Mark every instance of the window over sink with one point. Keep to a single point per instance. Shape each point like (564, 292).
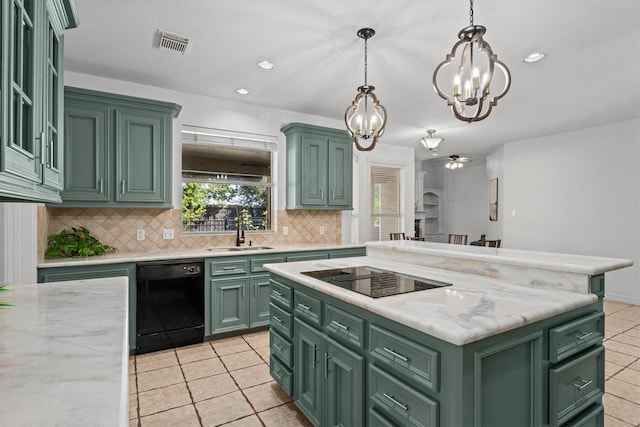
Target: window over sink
(226, 175)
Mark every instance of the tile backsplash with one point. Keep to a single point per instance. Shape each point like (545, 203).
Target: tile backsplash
(118, 227)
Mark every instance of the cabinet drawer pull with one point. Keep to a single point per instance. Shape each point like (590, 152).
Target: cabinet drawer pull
(305, 307)
(399, 356)
(277, 293)
(228, 268)
(583, 385)
(583, 335)
(340, 325)
(278, 347)
(277, 319)
(393, 399)
(277, 374)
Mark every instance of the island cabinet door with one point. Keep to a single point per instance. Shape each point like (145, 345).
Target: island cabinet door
(307, 373)
(344, 385)
(508, 382)
(259, 305)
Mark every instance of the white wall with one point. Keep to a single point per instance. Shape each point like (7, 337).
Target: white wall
(466, 201)
(578, 192)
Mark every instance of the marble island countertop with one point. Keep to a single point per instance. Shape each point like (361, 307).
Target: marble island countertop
(473, 308)
(213, 251)
(64, 354)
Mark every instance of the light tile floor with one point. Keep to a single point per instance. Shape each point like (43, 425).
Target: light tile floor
(227, 383)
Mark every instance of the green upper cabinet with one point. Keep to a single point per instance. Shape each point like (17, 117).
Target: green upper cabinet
(31, 125)
(117, 150)
(319, 167)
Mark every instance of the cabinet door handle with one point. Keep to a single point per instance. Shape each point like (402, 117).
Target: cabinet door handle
(326, 365)
(333, 194)
(322, 193)
(395, 401)
(304, 307)
(255, 290)
(399, 356)
(42, 145)
(340, 325)
(100, 186)
(242, 290)
(583, 335)
(51, 152)
(583, 384)
(123, 184)
(315, 356)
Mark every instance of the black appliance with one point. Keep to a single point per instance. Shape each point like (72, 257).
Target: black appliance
(170, 304)
(374, 282)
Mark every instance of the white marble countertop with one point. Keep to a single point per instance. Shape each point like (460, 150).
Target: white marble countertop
(473, 308)
(165, 254)
(566, 263)
(64, 354)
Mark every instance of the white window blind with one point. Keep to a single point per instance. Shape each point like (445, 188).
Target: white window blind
(386, 212)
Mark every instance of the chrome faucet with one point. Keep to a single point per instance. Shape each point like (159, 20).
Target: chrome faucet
(239, 236)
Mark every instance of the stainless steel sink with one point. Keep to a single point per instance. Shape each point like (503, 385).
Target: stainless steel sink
(238, 248)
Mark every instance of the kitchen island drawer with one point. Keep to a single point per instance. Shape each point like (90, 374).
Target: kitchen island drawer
(282, 375)
(399, 402)
(414, 362)
(308, 308)
(282, 348)
(575, 384)
(281, 294)
(220, 268)
(575, 336)
(344, 326)
(281, 321)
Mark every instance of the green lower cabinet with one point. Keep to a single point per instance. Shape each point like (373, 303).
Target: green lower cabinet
(259, 312)
(328, 379)
(229, 303)
(59, 274)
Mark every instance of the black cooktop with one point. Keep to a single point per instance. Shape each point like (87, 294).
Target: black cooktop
(374, 282)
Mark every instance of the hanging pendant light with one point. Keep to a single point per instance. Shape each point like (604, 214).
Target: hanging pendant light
(468, 87)
(365, 118)
(431, 143)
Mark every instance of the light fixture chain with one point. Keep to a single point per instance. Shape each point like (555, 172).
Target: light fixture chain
(365, 62)
(471, 13)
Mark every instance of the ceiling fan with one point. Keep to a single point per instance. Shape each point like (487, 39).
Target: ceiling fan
(456, 162)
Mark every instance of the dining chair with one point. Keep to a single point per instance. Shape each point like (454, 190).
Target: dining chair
(492, 243)
(458, 239)
(397, 236)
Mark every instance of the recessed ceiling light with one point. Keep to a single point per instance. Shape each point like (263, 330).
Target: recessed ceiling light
(534, 57)
(242, 91)
(266, 65)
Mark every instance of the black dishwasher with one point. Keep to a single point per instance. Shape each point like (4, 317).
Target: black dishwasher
(170, 304)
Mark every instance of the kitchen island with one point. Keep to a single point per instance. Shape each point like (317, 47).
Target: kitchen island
(515, 340)
(64, 354)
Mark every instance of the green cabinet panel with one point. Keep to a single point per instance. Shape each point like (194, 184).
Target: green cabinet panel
(307, 376)
(119, 150)
(31, 126)
(319, 167)
(343, 394)
(59, 274)
(229, 303)
(141, 163)
(86, 148)
(306, 256)
(259, 303)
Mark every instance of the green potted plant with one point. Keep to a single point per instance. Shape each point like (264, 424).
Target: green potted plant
(77, 242)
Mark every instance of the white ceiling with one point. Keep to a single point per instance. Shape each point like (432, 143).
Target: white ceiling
(591, 74)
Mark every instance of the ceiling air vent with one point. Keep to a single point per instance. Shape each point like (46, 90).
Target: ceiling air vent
(172, 43)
